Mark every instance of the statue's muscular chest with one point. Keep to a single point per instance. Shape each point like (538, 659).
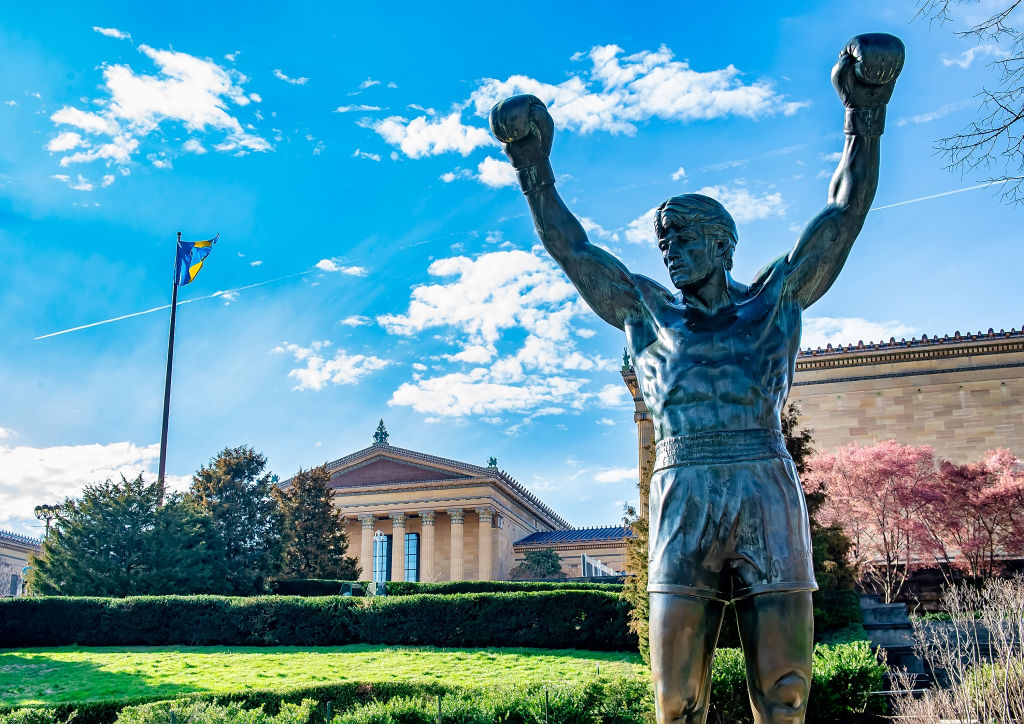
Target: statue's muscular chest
(734, 357)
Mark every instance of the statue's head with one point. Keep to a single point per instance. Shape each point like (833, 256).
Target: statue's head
(702, 214)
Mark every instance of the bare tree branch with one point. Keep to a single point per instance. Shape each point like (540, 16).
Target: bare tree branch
(995, 141)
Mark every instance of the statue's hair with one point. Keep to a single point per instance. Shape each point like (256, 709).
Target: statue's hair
(698, 209)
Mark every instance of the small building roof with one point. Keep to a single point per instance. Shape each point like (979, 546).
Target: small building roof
(576, 535)
(7, 536)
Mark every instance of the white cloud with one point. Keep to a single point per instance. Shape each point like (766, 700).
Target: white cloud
(194, 146)
(366, 154)
(615, 396)
(607, 421)
(112, 33)
(966, 58)
(820, 331)
(11, 102)
(159, 160)
(232, 57)
(641, 229)
(107, 180)
(258, 262)
(584, 332)
(294, 81)
(939, 112)
(79, 184)
(64, 142)
(186, 90)
(356, 320)
(745, 206)
(831, 157)
(511, 314)
(332, 265)
(496, 173)
(34, 476)
(616, 475)
(419, 366)
(617, 92)
(368, 83)
(429, 136)
(319, 371)
(594, 229)
(356, 107)
(679, 174)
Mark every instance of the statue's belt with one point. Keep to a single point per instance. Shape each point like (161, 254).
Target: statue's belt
(726, 446)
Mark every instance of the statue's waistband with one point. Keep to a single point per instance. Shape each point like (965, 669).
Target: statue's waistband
(725, 446)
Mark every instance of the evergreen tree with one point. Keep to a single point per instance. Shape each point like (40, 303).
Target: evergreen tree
(118, 541)
(234, 489)
(543, 563)
(635, 588)
(315, 542)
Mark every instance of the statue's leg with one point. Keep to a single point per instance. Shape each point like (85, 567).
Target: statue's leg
(684, 631)
(777, 630)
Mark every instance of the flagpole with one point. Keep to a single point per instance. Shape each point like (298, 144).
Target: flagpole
(167, 378)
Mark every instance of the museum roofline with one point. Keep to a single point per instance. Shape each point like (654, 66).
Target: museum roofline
(923, 341)
(477, 471)
(25, 540)
(576, 535)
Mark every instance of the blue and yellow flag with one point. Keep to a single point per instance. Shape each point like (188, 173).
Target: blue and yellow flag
(190, 258)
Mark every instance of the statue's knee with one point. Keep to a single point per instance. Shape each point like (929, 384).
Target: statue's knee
(789, 692)
(674, 705)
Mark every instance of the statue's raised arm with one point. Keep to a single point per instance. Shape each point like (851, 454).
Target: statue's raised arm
(864, 77)
(525, 128)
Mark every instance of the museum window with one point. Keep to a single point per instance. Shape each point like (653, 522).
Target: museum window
(381, 558)
(412, 556)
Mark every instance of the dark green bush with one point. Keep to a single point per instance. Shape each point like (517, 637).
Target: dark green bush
(412, 588)
(842, 678)
(547, 619)
(314, 587)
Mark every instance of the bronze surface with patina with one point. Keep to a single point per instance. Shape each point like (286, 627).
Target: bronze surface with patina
(715, 362)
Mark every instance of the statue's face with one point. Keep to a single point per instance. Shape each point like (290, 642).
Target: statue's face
(689, 253)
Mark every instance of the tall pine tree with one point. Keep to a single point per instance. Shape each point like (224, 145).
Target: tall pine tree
(116, 540)
(238, 495)
(315, 542)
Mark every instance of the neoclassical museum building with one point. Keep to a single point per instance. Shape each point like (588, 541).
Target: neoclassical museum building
(418, 517)
(415, 516)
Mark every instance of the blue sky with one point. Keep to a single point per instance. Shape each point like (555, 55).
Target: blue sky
(375, 258)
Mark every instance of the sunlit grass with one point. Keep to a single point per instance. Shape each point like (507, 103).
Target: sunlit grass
(77, 674)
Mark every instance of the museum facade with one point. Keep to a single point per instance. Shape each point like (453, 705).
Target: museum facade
(411, 516)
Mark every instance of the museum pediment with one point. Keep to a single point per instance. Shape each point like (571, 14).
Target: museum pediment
(383, 469)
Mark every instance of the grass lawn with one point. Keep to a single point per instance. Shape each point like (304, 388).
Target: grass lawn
(77, 674)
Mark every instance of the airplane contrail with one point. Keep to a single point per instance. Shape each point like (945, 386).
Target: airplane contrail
(168, 306)
(944, 193)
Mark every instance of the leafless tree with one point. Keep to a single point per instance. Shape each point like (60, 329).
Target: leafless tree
(994, 142)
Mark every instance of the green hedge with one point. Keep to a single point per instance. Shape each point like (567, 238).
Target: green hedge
(315, 587)
(331, 587)
(546, 619)
(843, 676)
(622, 700)
(409, 588)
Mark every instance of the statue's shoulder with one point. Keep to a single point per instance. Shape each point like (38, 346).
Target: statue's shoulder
(652, 291)
(774, 272)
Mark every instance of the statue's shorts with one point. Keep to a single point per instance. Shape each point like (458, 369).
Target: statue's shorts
(727, 517)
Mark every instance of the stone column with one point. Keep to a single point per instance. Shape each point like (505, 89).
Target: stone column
(484, 544)
(427, 545)
(397, 546)
(366, 547)
(457, 572)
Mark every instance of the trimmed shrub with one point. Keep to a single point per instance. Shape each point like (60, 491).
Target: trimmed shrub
(843, 676)
(321, 587)
(314, 587)
(548, 619)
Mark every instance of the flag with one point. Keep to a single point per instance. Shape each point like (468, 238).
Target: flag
(190, 258)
